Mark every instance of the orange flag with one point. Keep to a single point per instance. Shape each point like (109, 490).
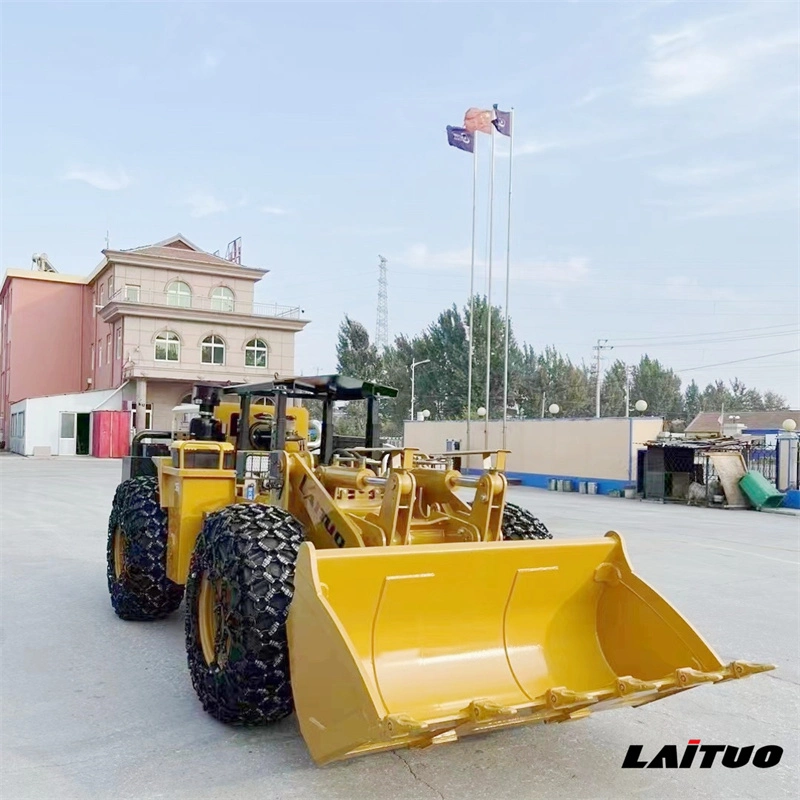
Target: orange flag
(478, 119)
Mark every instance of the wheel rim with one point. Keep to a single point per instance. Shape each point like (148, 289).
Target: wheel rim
(119, 552)
(214, 639)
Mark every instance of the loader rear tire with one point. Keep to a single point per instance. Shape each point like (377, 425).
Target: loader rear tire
(240, 585)
(137, 553)
(519, 523)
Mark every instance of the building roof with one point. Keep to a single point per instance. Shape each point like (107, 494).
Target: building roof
(179, 247)
(708, 421)
(35, 275)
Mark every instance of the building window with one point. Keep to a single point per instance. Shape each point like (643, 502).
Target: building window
(102, 294)
(118, 351)
(221, 299)
(255, 353)
(148, 417)
(168, 347)
(213, 350)
(108, 349)
(179, 294)
(110, 287)
(131, 293)
(67, 425)
(99, 352)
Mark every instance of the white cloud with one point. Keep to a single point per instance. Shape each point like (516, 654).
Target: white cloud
(782, 195)
(701, 174)
(204, 204)
(105, 180)
(567, 271)
(211, 61)
(596, 93)
(546, 144)
(708, 57)
(756, 200)
(274, 210)
(366, 231)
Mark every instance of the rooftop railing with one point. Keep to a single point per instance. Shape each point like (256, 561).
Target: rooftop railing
(221, 305)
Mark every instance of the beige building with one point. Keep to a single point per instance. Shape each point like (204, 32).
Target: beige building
(176, 315)
(147, 322)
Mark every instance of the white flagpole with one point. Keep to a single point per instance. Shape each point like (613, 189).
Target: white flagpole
(472, 290)
(489, 304)
(508, 272)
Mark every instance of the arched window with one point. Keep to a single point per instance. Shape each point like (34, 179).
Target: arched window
(179, 294)
(221, 299)
(213, 350)
(255, 353)
(168, 347)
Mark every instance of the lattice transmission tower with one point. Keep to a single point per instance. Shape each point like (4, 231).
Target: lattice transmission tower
(382, 324)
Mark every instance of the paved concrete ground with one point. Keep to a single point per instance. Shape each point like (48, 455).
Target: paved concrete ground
(96, 708)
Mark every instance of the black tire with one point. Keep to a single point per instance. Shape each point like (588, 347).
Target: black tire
(139, 587)
(245, 556)
(519, 523)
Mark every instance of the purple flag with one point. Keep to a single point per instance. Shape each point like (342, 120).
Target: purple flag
(502, 121)
(461, 138)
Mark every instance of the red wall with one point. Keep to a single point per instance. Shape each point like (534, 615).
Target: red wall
(110, 433)
(45, 332)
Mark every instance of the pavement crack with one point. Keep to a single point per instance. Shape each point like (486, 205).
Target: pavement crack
(417, 777)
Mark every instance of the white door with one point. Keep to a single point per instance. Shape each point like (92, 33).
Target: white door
(66, 437)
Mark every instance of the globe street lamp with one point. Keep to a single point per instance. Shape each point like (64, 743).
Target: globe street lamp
(414, 366)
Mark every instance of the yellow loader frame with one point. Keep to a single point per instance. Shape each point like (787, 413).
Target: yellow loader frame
(412, 621)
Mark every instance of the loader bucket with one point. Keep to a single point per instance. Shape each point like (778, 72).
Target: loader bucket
(414, 645)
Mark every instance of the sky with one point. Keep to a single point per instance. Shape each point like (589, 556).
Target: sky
(656, 165)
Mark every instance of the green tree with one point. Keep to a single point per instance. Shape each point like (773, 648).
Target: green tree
(659, 387)
(356, 357)
(612, 391)
(692, 401)
(774, 402)
(355, 354)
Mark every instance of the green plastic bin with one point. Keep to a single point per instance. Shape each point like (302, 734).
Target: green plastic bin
(760, 492)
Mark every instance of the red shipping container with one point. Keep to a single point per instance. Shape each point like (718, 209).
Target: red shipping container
(110, 434)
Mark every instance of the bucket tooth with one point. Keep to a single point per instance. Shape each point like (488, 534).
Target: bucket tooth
(482, 710)
(399, 725)
(560, 697)
(628, 685)
(741, 669)
(686, 676)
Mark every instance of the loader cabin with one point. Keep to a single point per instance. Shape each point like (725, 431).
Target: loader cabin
(329, 389)
(266, 427)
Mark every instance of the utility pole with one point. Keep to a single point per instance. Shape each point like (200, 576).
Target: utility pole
(627, 390)
(599, 347)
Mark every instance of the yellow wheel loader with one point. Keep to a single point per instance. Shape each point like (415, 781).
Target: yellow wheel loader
(365, 589)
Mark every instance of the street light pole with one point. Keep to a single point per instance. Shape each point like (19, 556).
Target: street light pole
(414, 366)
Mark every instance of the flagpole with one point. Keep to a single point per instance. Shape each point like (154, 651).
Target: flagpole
(489, 304)
(508, 273)
(472, 292)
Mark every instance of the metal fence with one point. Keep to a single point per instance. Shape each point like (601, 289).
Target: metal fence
(763, 460)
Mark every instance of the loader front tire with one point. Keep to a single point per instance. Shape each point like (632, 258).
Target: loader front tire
(137, 553)
(240, 585)
(519, 523)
